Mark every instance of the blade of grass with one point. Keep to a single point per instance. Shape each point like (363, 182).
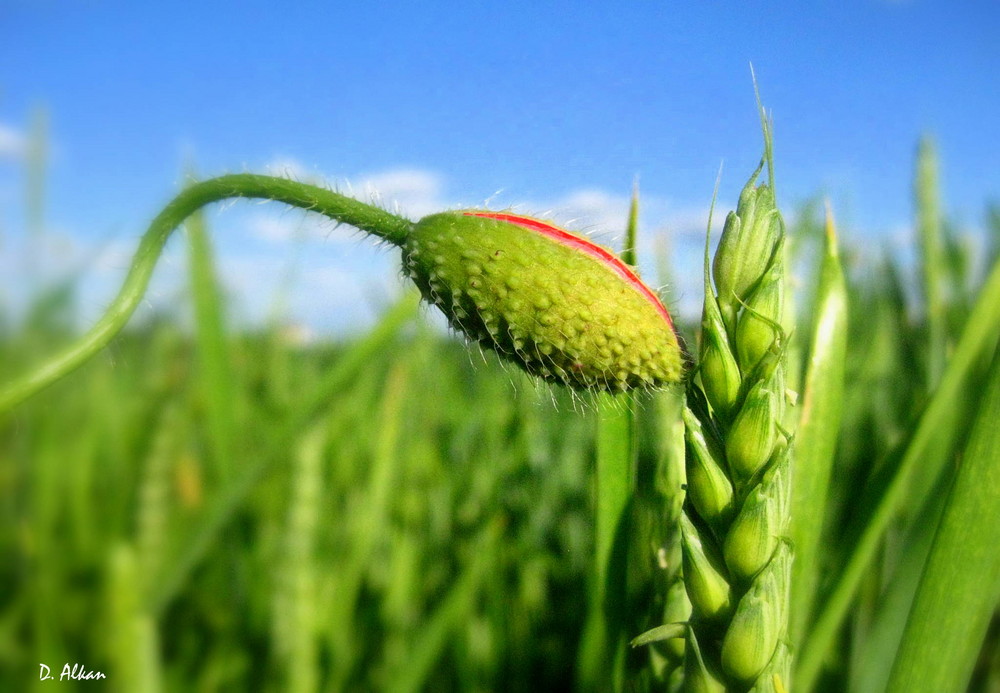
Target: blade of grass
(371, 521)
(993, 231)
(134, 648)
(35, 174)
(602, 649)
(667, 659)
(873, 663)
(629, 253)
(295, 596)
(819, 426)
(215, 373)
(451, 613)
(225, 504)
(960, 587)
(978, 339)
(932, 260)
(37, 163)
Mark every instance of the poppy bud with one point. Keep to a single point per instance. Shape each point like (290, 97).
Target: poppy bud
(556, 304)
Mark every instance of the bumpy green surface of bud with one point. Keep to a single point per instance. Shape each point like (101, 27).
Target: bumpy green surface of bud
(556, 304)
(704, 573)
(759, 325)
(753, 633)
(747, 244)
(752, 437)
(708, 485)
(753, 536)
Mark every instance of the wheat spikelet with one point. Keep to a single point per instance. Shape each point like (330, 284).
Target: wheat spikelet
(737, 560)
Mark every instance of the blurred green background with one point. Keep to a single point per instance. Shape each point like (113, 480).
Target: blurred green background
(209, 508)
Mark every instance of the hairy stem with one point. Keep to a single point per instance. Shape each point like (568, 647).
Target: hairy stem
(365, 217)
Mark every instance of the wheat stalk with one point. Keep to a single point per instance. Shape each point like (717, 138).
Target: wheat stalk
(737, 561)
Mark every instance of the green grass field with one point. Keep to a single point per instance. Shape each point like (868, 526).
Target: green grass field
(212, 509)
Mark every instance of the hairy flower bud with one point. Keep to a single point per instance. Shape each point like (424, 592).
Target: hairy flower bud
(556, 304)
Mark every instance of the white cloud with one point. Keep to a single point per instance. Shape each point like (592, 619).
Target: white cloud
(404, 182)
(411, 192)
(322, 294)
(900, 235)
(275, 225)
(594, 210)
(414, 193)
(12, 143)
(288, 167)
(94, 269)
(602, 213)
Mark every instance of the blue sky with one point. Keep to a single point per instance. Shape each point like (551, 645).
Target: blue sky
(549, 107)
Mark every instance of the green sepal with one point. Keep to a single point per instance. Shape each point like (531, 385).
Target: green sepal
(718, 369)
(668, 631)
(776, 677)
(557, 311)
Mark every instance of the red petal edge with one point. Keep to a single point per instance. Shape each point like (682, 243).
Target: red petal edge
(578, 243)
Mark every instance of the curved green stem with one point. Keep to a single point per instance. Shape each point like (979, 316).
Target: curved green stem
(368, 218)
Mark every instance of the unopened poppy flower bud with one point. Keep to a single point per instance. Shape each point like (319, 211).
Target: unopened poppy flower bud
(558, 305)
